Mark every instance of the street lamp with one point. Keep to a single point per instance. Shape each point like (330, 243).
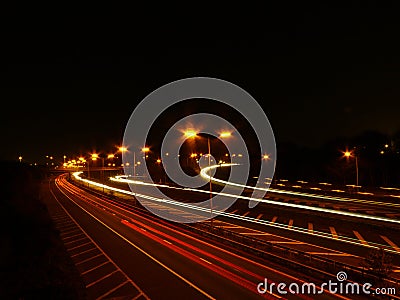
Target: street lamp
(225, 134)
(93, 157)
(190, 133)
(144, 150)
(349, 154)
(122, 149)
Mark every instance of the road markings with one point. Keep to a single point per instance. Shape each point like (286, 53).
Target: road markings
(259, 216)
(274, 219)
(95, 268)
(205, 260)
(231, 226)
(74, 241)
(234, 211)
(116, 288)
(285, 242)
(64, 233)
(255, 233)
(102, 278)
(310, 228)
(360, 237)
(246, 213)
(387, 240)
(63, 227)
(88, 259)
(290, 224)
(81, 245)
(97, 248)
(330, 253)
(131, 243)
(83, 252)
(74, 235)
(333, 232)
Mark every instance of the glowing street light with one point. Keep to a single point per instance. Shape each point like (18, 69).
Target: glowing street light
(225, 134)
(20, 158)
(349, 154)
(122, 149)
(190, 133)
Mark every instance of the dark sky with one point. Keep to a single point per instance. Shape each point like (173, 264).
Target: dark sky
(69, 83)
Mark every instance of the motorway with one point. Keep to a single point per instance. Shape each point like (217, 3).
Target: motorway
(303, 223)
(121, 252)
(313, 225)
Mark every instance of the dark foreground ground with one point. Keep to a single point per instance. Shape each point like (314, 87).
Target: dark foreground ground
(33, 261)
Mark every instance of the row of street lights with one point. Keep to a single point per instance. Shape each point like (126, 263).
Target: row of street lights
(352, 154)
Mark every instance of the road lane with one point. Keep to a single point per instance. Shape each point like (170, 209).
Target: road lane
(150, 276)
(343, 240)
(227, 263)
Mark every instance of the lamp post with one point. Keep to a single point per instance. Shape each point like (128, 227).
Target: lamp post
(159, 169)
(123, 149)
(94, 157)
(349, 154)
(193, 134)
(145, 150)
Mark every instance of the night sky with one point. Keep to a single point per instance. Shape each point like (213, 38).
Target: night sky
(70, 83)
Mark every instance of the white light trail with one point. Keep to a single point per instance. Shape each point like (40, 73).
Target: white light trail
(230, 215)
(204, 174)
(205, 170)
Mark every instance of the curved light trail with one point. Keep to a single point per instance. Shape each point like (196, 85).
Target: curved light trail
(205, 170)
(244, 218)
